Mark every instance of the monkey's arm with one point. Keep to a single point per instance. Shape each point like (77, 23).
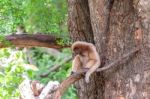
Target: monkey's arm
(76, 64)
(90, 63)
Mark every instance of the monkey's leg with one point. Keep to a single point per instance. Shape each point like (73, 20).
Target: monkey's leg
(89, 65)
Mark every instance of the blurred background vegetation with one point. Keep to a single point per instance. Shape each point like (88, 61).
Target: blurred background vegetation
(36, 16)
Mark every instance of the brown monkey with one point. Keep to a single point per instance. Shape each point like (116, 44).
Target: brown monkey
(86, 57)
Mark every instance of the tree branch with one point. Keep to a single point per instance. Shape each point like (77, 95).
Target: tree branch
(65, 84)
(120, 60)
(73, 78)
(55, 67)
(32, 40)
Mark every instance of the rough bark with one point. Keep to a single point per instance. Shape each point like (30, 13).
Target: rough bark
(73, 78)
(125, 32)
(100, 17)
(80, 29)
(118, 26)
(79, 21)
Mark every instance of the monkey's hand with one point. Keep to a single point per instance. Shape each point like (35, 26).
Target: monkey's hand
(74, 73)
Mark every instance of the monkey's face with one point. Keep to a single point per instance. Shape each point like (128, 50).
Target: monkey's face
(77, 51)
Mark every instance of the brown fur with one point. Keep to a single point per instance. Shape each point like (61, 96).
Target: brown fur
(86, 57)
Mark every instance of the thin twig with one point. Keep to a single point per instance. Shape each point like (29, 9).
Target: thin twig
(119, 60)
(55, 67)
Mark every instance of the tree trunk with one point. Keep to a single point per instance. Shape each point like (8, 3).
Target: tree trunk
(115, 27)
(80, 29)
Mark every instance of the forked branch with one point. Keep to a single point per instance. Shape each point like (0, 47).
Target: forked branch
(72, 79)
(41, 40)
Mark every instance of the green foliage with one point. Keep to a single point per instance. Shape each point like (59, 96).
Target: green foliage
(11, 14)
(37, 16)
(65, 41)
(70, 93)
(44, 16)
(4, 41)
(43, 59)
(50, 14)
(11, 73)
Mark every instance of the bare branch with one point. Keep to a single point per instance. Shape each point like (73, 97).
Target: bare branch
(49, 89)
(56, 67)
(72, 78)
(32, 40)
(51, 51)
(120, 60)
(65, 84)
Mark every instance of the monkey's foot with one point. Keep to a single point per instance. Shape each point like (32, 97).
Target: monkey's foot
(74, 73)
(84, 70)
(87, 78)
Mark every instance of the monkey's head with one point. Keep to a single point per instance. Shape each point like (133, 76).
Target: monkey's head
(79, 47)
(77, 50)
